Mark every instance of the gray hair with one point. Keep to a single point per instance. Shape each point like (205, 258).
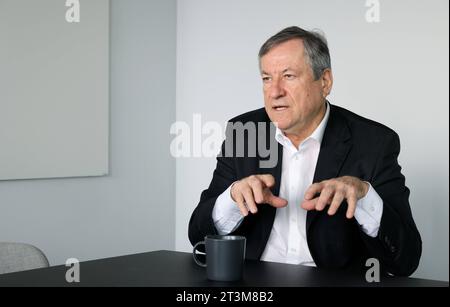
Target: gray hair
(315, 43)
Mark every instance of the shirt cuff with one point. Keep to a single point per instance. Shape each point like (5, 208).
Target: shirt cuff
(369, 210)
(226, 214)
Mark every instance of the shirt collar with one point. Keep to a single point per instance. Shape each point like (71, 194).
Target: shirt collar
(316, 135)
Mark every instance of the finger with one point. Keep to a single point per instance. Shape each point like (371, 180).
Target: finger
(277, 202)
(336, 202)
(268, 180)
(310, 204)
(351, 201)
(258, 191)
(241, 205)
(273, 200)
(313, 190)
(324, 198)
(249, 200)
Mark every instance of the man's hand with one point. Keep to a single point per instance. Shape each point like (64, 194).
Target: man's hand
(333, 192)
(253, 190)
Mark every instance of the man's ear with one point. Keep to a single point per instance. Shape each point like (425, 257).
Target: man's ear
(327, 82)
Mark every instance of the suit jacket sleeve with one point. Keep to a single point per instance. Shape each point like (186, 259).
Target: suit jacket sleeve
(398, 245)
(201, 222)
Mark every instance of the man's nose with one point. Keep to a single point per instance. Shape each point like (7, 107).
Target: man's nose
(277, 90)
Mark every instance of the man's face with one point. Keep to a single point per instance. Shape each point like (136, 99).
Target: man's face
(291, 96)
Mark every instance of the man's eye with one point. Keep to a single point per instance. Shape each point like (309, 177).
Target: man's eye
(266, 79)
(289, 76)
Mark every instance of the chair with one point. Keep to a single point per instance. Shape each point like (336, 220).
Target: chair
(15, 257)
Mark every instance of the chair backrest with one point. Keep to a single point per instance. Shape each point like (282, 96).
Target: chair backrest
(16, 257)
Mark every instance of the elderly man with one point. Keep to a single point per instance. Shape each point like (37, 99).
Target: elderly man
(336, 197)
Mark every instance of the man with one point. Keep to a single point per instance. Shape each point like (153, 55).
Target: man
(335, 198)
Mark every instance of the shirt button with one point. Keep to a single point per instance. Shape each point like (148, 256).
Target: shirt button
(293, 250)
(372, 208)
(293, 220)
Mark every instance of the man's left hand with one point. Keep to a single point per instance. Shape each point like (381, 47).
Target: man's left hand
(333, 192)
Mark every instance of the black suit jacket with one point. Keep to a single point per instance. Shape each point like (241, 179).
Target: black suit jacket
(351, 145)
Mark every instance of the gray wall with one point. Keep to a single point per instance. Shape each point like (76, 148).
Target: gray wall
(395, 72)
(132, 209)
(54, 79)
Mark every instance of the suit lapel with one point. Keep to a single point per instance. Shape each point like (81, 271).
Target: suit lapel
(336, 144)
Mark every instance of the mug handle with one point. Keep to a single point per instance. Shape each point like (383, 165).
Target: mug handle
(194, 254)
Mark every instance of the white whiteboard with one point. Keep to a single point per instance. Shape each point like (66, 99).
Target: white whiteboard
(54, 89)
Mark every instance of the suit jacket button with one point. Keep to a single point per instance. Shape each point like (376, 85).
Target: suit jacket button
(393, 249)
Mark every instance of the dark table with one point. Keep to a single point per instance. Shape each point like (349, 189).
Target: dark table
(176, 269)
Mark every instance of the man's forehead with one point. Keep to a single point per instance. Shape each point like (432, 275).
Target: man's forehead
(281, 64)
(292, 46)
(287, 55)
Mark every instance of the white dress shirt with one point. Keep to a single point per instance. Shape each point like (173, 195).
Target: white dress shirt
(287, 242)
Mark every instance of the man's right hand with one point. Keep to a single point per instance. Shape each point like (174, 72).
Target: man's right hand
(254, 190)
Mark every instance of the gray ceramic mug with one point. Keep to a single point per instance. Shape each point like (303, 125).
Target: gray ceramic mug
(224, 257)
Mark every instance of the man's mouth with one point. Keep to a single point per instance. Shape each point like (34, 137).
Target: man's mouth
(280, 108)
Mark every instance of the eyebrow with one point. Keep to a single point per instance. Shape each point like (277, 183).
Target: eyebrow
(287, 69)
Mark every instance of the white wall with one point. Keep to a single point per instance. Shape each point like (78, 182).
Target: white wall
(395, 72)
(132, 209)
